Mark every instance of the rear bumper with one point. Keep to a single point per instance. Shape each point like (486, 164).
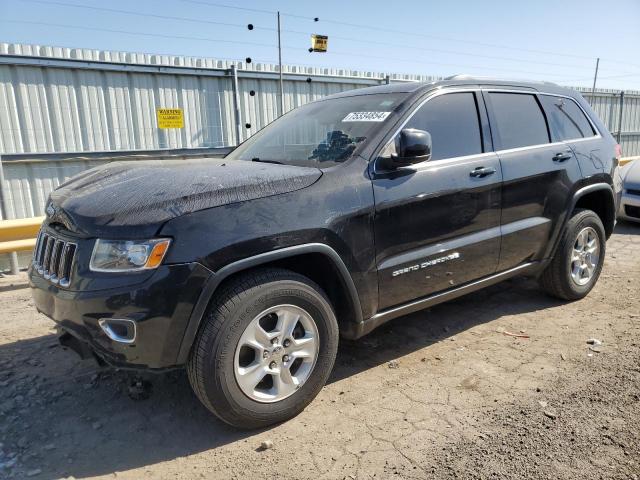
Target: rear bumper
(160, 307)
(629, 207)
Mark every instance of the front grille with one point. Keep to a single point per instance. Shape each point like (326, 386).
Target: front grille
(632, 191)
(53, 258)
(632, 211)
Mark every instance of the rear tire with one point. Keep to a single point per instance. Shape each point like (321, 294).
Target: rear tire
(578, 260)
(265, 349)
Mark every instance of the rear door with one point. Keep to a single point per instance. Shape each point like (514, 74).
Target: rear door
(538, 175)
(437, 223)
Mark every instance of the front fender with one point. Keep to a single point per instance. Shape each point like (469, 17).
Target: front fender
(245, 264)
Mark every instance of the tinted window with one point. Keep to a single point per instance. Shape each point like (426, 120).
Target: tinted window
(452, 121)
(566, 119)
(519, 120)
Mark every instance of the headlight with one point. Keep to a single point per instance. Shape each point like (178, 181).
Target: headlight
(128, 255)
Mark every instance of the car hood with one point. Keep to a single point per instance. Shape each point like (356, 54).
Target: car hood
(135, 198)
(631, 174)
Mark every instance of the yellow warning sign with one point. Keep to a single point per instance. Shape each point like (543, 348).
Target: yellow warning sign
(170, 118)
(319, 43)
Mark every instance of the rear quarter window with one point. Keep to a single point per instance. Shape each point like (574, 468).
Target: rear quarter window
(566, 119)
(518, 119)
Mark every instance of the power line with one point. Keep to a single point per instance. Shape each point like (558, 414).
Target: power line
(129, 32)
(233, 7)
(203, 21)
(142, 14)
(606, 78)
(450, 52)
(387, 30)
(217, 40)
(358, 40)
(454, 52)
(450, 39)
(400, 32)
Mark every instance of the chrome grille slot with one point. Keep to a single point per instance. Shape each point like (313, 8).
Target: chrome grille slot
(37, 248)
(46, 261)
(56, 250)
(68, 255)
(53, 258)
(42, 245)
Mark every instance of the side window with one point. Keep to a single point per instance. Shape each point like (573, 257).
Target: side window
(452, 120)
(519, 120)
(566, 120)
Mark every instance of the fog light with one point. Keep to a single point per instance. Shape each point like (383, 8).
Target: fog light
(119, 330)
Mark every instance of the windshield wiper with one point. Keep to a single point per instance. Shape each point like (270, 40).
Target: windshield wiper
(256, 159)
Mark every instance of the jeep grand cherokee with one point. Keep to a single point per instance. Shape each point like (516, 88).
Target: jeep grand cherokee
(339, 216)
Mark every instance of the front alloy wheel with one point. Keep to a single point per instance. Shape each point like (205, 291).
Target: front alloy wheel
(276, 353)
(265, 348)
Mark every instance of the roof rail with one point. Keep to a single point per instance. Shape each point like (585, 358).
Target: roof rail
(465, 76)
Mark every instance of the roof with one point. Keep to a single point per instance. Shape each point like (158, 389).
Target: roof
(458, 80)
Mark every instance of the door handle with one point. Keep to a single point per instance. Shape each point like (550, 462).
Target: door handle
(562, 156)
(482, 172)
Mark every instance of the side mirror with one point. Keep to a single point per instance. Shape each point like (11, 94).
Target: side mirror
(413, 146)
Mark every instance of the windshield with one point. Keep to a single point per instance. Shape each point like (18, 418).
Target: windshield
(319, 134)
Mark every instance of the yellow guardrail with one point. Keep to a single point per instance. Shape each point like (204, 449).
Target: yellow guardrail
(625, 160)
(19, 235)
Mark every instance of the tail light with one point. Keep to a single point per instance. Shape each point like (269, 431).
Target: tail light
(618, 151)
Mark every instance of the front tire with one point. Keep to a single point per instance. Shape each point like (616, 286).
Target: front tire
(265, 349)
(578, 261)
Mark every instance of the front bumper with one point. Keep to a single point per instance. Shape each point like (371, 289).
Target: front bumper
(161, 308)
(629, 207)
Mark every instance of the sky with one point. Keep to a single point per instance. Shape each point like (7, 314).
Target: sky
(556, 41)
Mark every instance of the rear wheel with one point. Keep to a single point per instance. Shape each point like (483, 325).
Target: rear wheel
(578, 261)
(266, 347)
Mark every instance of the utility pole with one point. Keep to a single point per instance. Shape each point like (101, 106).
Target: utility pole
(280, 69)
(619, 136)
(236, 103)
(595, 77)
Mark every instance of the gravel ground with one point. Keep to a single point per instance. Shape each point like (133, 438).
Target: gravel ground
(439, 394)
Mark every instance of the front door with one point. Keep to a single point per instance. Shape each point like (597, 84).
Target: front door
(437, 223)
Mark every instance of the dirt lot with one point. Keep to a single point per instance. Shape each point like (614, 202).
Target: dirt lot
(440, 394)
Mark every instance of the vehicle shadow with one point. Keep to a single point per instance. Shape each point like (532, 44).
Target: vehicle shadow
(625, 227)
(417, 331)
(67, 417)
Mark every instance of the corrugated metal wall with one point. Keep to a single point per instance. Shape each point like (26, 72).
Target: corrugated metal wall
(29, 184)
(606, 103)
(73, 100)
(65, 100)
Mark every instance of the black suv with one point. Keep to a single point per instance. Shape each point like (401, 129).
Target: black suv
(339, 216)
